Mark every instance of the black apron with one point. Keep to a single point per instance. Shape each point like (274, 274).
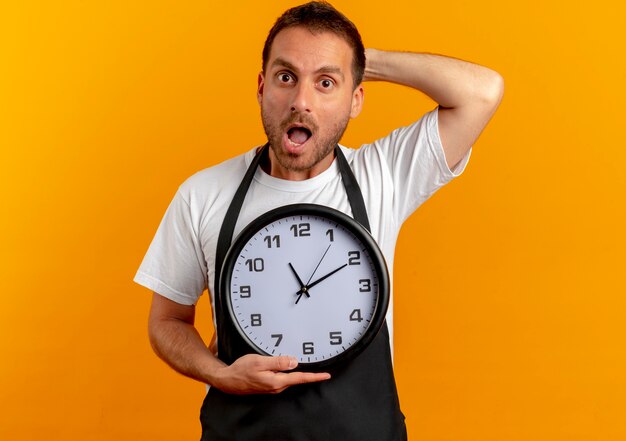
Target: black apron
(359, 402)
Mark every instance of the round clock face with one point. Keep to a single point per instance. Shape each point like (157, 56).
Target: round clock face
(307, 281)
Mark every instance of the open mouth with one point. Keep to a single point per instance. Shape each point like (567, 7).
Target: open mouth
(298, 135)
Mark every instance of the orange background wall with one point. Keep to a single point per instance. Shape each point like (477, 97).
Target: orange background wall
(510, 294)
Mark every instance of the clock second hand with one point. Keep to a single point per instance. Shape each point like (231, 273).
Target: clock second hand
(303, 287)
(318, 263)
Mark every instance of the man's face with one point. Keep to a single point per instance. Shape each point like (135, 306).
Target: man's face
(307, 97)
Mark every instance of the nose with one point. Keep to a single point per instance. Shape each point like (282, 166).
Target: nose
(302, 98)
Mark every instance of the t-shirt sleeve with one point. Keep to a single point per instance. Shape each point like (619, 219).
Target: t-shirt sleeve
(174, 265)
(417, 163)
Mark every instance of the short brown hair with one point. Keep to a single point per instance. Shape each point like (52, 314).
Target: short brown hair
(319, 16)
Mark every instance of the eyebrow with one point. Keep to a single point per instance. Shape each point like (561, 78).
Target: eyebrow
(323, 70)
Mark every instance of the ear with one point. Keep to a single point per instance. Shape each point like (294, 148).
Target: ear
(357, 101)
(259, 90)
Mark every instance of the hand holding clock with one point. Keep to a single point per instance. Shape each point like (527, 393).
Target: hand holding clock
(179, 344)
(253, 374)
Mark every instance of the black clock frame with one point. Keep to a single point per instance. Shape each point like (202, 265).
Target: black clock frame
(380, 265)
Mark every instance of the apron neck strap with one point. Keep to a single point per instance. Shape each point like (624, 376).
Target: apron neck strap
(355, 197)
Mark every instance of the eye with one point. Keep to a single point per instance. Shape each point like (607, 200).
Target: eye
(285, 77)
(327, 83)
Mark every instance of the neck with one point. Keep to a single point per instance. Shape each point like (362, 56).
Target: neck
(271, 166)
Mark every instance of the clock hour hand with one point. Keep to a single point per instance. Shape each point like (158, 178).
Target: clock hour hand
(302, 286)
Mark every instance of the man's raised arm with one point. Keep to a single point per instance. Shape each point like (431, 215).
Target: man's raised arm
(467, 94)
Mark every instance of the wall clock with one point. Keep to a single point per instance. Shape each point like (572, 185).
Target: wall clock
(308, 281)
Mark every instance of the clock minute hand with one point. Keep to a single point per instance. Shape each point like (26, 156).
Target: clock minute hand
(305, 289)
(311, 285)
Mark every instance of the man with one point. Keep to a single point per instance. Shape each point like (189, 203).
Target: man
(310, 86)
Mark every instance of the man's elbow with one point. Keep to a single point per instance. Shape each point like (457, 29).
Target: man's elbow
(493, 89)
(154, 334)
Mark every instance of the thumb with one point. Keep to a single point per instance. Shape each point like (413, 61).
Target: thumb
(283, 363)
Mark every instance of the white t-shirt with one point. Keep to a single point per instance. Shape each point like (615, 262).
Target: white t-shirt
(396, 174)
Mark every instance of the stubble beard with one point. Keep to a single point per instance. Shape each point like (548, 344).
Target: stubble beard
(323, 144)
